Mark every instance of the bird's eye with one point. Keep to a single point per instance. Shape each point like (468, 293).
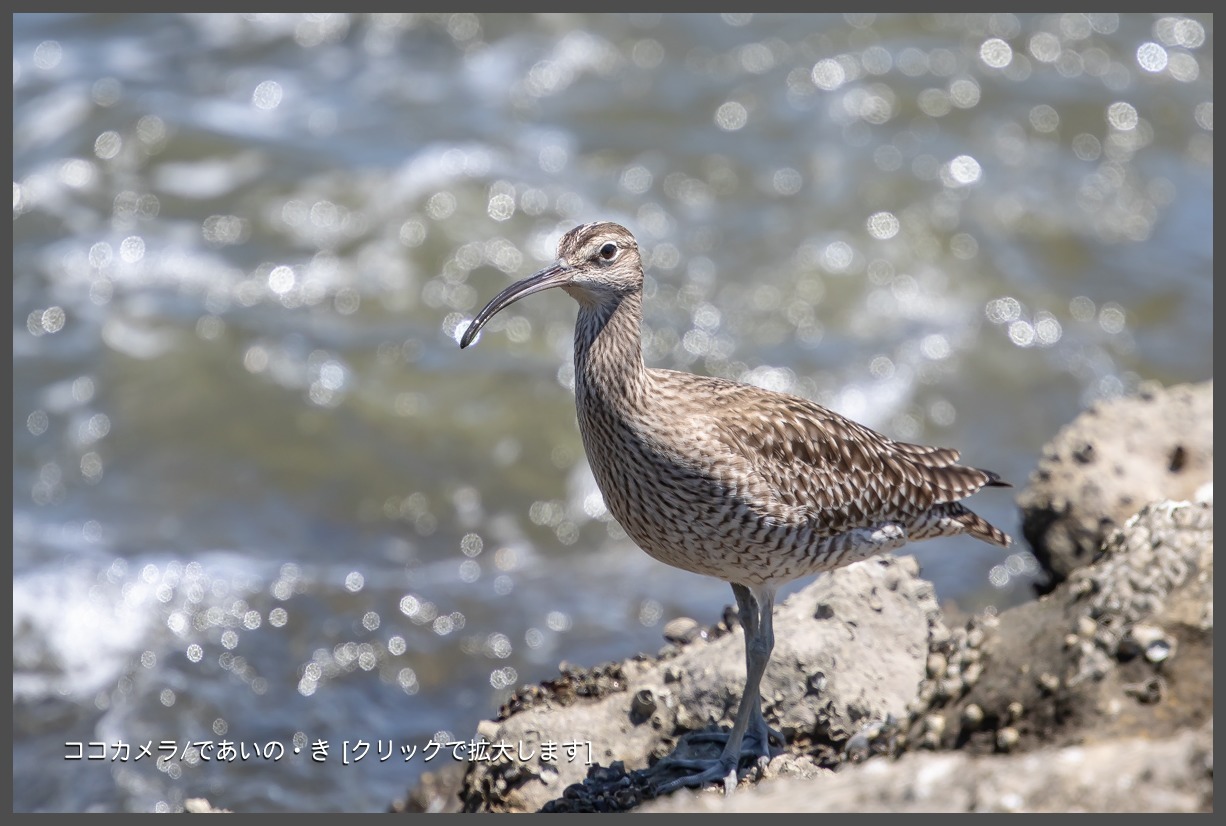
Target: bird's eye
(608, 251)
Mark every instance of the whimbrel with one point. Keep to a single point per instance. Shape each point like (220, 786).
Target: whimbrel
(730, 480)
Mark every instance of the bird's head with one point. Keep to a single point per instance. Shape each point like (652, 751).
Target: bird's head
(598, 264)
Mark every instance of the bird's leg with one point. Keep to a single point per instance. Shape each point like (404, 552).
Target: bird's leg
(760, 734)
(760, 739)
(756, 607)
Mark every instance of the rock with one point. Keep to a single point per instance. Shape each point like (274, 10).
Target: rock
(435, 791)
(1109, 462)
(1124, 774)
(682, 630)
(1122, 648)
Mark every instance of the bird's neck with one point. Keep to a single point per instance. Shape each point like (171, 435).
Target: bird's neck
(609, 352)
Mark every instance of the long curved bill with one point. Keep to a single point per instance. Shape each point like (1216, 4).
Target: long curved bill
(552, 276)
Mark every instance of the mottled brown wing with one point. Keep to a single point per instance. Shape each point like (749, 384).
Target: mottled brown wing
(810, 457)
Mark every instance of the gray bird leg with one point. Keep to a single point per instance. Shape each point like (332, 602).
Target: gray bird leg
(760, 739)
(756, 607)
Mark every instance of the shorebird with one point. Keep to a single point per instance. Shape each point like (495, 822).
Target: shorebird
(754, 487)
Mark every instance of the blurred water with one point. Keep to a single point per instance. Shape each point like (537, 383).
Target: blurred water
(259, 493)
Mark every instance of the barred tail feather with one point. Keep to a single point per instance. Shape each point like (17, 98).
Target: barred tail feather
(978, 527)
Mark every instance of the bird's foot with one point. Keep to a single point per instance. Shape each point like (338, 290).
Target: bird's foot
(684, 769)
(695, 774)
